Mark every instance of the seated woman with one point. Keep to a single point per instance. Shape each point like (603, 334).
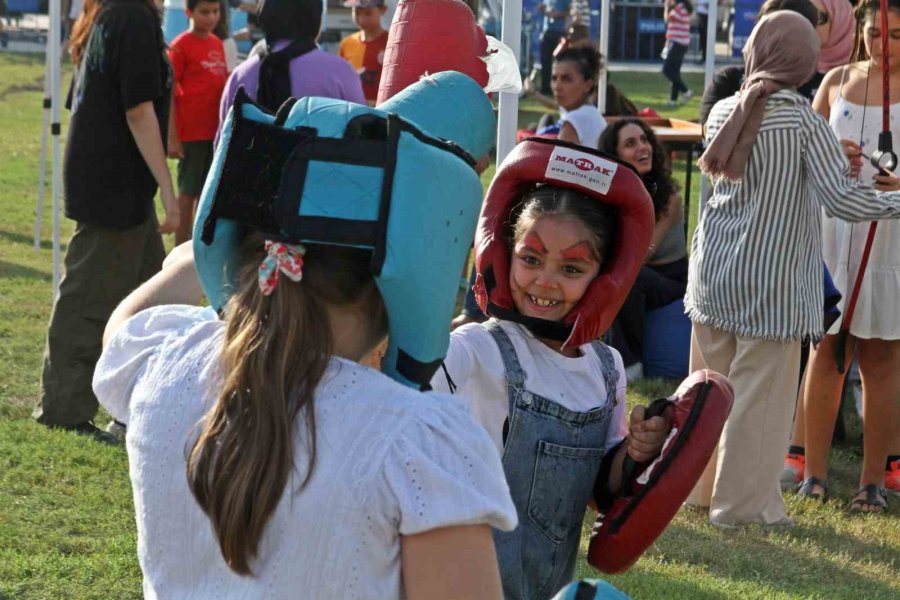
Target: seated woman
(663, 278)
(574, 83)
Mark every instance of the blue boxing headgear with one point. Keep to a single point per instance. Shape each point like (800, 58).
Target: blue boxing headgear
(330, 172)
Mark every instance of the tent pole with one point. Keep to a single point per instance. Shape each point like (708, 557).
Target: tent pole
(42, 162)
(53, 49)
(604, 51)
(508, 119)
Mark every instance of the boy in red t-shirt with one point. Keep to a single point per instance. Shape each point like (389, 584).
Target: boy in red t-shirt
(364, 50)
(198, 62)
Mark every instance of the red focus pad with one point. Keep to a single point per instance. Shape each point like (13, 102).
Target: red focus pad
(589, 172)
(702, 404)
(430, 36)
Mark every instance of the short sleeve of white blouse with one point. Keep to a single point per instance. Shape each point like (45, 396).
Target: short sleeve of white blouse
(588, 124)
(476, 368)
(390, 461)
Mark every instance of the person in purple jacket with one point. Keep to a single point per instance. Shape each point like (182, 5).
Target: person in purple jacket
(291, 64)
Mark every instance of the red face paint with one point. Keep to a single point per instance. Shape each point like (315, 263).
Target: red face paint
(533, 242)
(580, 251)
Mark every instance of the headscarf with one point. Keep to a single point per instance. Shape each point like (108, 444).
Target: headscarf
(836, 51)
(780, 53)
(299, 22)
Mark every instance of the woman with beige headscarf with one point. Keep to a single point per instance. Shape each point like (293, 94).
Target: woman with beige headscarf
(755, 279)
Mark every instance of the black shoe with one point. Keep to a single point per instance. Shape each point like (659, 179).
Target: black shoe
(90, 430)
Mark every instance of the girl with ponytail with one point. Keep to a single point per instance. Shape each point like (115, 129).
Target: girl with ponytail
(265, 460)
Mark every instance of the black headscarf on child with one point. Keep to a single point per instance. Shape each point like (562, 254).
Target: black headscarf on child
(297, 21)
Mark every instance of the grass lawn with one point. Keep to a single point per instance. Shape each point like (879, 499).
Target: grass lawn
(66, 517)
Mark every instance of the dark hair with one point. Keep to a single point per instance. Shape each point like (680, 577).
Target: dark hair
(688, 6)
(659, 180)
(81, 30)
(550, 200)
(863, 9)
(587, 59)
(290, 19)
(804, 8)
(275, 352)
(192, 4)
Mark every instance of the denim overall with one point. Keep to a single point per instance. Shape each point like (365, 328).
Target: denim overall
(551, 457)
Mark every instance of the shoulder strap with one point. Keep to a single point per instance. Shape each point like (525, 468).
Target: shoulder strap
(515, 376)
(610, 373)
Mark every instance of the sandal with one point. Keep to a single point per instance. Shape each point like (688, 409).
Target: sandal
(874, 496)
(807, 489)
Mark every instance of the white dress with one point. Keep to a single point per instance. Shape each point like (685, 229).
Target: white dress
(877, 313)
(390, 462)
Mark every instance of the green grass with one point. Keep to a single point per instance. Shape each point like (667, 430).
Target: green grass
(66, 518)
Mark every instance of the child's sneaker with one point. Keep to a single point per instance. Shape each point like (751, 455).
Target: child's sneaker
(671, 104)
(686, 97)
(792, 474)
(892, 478)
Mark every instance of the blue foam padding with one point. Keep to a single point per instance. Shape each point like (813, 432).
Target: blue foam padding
(590, 589)
(435, 201)
(667, 342)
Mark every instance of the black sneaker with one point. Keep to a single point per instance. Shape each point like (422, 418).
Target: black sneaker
(90, 430)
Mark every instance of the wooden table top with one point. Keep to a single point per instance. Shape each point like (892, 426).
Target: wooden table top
(670, 130)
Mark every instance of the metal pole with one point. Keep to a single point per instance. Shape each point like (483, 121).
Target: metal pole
(604, 50)
(54, 52)
(42, 173)
(712, 28)
(508, 119)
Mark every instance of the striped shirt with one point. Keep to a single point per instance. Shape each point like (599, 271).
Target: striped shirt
(580, 13)
(679, 26)
(756, 256)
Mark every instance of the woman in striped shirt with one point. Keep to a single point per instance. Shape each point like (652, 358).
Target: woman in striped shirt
(755, 279)
(678, 38)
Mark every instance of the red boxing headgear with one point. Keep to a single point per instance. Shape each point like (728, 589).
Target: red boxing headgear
(592, 174)
(430, 36)
(702, 404)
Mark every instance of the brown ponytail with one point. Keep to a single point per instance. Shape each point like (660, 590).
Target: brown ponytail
(275, 352)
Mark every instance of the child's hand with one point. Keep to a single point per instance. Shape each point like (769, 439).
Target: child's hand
(176, 149)
(646, 436)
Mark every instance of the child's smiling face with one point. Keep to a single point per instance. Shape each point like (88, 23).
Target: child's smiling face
(553, 262)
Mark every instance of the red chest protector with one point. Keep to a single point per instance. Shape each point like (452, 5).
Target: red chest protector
(702, 404)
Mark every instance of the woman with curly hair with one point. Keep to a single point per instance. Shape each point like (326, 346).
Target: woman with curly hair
(663, 278)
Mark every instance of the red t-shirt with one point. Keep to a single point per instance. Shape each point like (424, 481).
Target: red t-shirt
(367, 57)
(200, 74)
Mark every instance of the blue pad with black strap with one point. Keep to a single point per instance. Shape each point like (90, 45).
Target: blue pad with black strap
(324, 171)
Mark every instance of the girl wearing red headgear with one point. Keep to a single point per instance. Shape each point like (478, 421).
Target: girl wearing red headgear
(555, 412)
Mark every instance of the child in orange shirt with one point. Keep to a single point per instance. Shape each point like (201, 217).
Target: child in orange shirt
(364, 50)
(200, 71)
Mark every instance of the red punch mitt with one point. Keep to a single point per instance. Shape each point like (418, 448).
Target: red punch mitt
(702, 404)
(430, 36)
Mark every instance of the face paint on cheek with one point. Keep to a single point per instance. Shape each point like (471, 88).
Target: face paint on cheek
(580, 251)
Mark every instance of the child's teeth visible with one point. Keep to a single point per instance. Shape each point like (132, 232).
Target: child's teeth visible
(541, 301)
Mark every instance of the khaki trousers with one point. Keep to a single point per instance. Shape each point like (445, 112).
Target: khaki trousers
(102, 266)
(741, 483)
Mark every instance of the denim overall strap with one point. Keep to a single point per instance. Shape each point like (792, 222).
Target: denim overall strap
(610, 372)
(515, 376)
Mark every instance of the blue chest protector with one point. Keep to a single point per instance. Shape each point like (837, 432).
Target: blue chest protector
(324, 171)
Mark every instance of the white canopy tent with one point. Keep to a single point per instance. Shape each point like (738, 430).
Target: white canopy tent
(512, 27)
